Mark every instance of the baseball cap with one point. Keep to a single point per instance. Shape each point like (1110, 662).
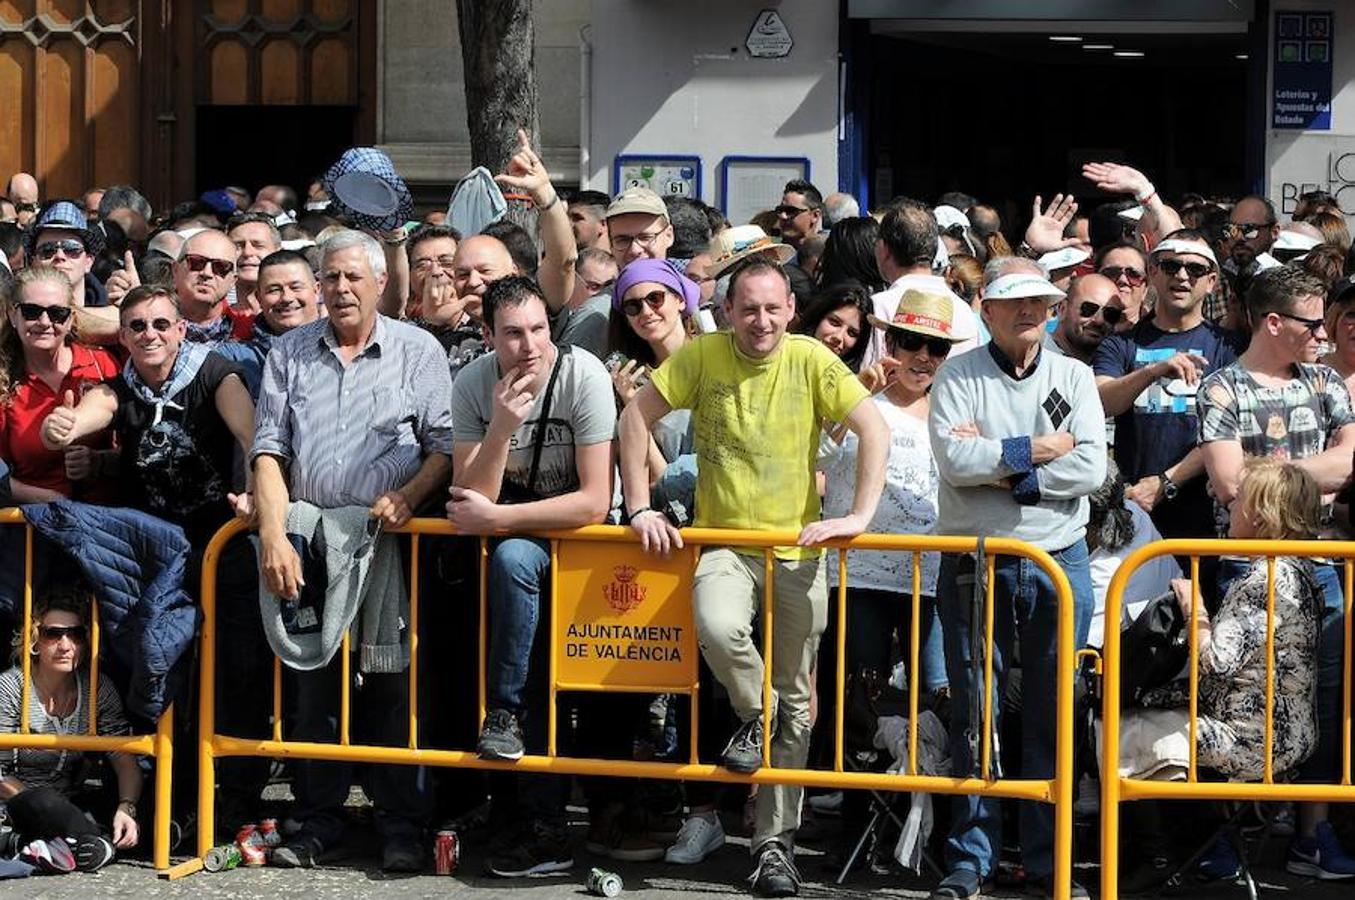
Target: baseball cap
(637, 200)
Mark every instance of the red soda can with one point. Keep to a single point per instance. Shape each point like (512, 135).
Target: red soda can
(251, 846)
(271, 837)
(446, 853)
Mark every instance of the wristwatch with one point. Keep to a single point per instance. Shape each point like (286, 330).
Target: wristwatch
(1169, 488)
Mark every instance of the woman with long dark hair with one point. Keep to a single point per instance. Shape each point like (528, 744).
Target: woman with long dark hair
(849, 255)
(837, 318)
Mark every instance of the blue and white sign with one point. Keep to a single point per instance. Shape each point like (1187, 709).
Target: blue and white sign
(1302, 85)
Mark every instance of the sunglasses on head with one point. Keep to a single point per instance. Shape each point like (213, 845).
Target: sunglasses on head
(1112, 314)
(139, 326)
(912, 342)
(655, 299)
(54, 633)
(220, 267)
(31, 312)
(71, 247)
(1193, 269)
(1132, 276)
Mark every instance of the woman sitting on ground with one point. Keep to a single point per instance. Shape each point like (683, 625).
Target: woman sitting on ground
(39, 787)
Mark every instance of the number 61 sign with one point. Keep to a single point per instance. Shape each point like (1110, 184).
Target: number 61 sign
(665, 175)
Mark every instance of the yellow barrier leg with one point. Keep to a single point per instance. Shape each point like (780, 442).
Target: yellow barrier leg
(164, 772)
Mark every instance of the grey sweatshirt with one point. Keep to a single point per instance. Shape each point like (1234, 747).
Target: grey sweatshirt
(1048, 507)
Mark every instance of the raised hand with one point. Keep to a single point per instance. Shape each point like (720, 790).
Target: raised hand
(121, 282)
(1045, 232)
(526, 174)
(1115, 178)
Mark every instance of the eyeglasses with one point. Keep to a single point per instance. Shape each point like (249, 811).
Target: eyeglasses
(139, 326)
(1132, 276)
(1171, 267)
(655, 299)
(70, 247)
(426, 263)
(31, 312)
(1112, 314)
(597, 287)
(790, 210)
(54, 633)
(912, 342)
(622, 242)
(220, 267)
(27, 207)
(1311, 324)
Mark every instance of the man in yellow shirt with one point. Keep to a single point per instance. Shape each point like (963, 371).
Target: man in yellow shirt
(758, 399)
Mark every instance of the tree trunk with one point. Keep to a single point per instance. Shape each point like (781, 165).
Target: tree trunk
(499, 59)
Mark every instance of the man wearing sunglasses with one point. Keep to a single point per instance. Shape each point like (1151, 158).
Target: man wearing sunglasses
(1087, 316)
(800, 214)
(1253, 229)
(1277, 401)
(204, 275)
(62, 238)
(1148, 377)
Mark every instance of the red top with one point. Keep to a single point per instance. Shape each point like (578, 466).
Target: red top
(31, 402)
(242, 322)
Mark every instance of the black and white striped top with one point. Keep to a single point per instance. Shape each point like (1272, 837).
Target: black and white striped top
(53, 768)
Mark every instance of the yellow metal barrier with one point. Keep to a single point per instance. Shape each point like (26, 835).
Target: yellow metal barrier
(159, 746)
(581, 591)
(1115, 789)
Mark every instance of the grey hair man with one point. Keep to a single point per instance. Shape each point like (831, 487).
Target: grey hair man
(839, 206)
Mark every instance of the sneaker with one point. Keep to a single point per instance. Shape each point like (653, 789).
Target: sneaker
(52, 856)
(1043, 886)
(401, 856)
(501, 738)
(1320, 857)
(539, 853)
(301, 852)
(610, 835)
(962, 884)
(827, 804)
(698, 838)
(92, 852)
(1148, 876)
(1220, 861)
(743, 753)
(775, 875)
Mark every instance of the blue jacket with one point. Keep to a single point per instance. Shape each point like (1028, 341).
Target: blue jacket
(135, 564)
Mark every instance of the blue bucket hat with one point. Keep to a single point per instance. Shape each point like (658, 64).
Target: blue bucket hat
(65, 215)
(364, 188)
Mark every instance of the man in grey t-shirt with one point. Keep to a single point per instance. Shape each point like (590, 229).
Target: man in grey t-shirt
(532, 433)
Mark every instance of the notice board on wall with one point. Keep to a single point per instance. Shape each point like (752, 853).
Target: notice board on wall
(751, 184)
(1301, 97)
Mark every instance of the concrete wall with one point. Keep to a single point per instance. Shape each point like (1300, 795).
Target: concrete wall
(422, 120)
(676, 78)
(1299, 161)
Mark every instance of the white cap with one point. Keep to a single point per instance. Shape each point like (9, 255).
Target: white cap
(1180, 245)
(1266, 261)
(949, 216)
(1019, 285)
(1295, 240)
(1064, 259)
(298, 244)
(1133, 214)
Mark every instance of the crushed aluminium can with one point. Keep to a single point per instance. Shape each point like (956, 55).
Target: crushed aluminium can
(603, 883)
(219, 859)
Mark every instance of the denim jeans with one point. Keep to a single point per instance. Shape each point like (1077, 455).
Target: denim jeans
(519, 583)
(1024, 610)
(1325, 763)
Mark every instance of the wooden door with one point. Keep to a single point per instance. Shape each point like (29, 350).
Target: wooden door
(70, 109)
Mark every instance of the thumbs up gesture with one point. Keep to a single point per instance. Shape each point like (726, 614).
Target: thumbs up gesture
(58, 429)
(121, 282)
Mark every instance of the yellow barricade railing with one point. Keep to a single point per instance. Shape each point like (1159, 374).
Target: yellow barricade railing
(575, 583)
(1115, 789)
(159, 745)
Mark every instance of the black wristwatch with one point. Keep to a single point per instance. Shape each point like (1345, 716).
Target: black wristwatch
(1169, 488)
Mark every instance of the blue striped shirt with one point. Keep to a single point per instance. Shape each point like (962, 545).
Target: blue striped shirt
(349, 433)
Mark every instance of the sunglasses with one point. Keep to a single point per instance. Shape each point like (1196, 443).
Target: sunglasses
(1193, 269)
(54, 633)
(31, 312)
(790, 211)
(220, 267)
(27, 207)
(1112, 314)
(1311, 324)
(139, 326)
(912, 342)
(72, 249)
(1247, 230)
(655, 299)
(1132, 276)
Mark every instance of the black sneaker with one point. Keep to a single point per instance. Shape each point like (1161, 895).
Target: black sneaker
(1043, 886)
(775, 875)
(402, 856)
(501, 738)
(743, 753)
(92, 852)
(541, 852)
(301, 852)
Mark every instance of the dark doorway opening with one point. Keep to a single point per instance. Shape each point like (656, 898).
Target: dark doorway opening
(251, 146)
(1004, 117)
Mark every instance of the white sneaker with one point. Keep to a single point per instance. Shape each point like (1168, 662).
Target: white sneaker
(698, 838)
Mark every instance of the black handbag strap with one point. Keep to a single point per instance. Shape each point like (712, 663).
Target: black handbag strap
(540, 438)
